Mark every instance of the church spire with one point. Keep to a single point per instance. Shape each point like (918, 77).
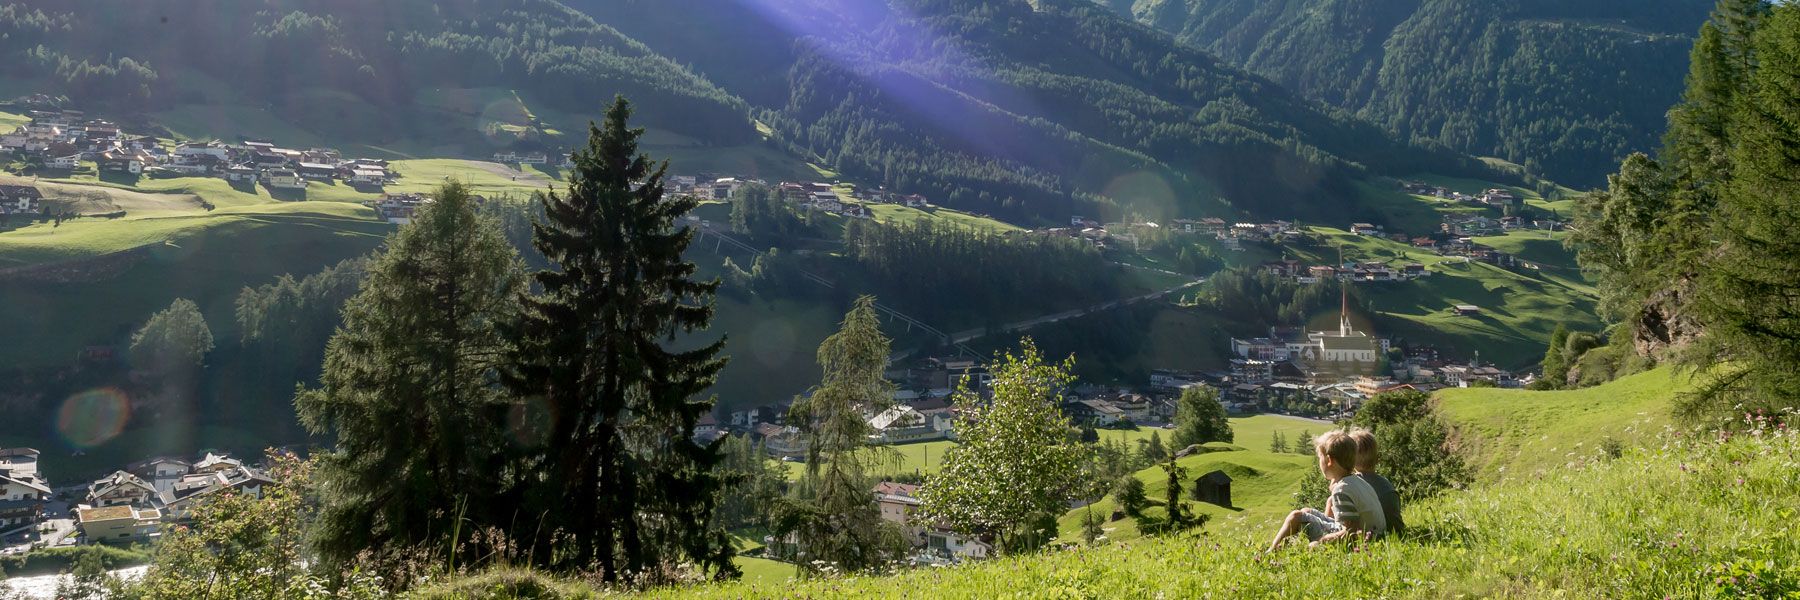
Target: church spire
(1344, 315)
(1344, 293)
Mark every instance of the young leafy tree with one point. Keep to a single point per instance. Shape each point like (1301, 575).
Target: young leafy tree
(1016, 459)
(1413, 444)
(242, 546)
(176, 337)
(408, 386)
(836, 520)
(618, 488)
(1199, 418)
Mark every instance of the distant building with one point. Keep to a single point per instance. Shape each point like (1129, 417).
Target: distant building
(119, 524)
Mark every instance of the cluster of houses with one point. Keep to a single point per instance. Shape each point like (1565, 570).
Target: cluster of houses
(1348, 271)
(813, 195)
(64, 139)
(1340, 369)
(134, 504)
(23, 491)
(1489, 197)
(131, 505)
(21, 200)
(532, 158)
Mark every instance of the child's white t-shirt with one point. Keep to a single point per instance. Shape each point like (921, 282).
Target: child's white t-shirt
(1354, 498)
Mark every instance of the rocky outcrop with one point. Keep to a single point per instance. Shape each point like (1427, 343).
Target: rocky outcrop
(1666, 322)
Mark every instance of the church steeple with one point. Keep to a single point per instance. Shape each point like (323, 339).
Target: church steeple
(1344, 293)
(1344, 315)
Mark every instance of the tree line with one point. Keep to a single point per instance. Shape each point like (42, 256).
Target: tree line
(951, 273)
(1692, 248)
(135, 57)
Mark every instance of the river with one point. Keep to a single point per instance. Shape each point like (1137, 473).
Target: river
(43, 587)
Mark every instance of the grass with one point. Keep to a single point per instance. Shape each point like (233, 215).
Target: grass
(1673, 516)
(1515, 434)
(207, 259)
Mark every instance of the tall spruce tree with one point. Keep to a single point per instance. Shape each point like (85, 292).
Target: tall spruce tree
(835, 517)
(1753, 322)
(408, 387)
(619, 487)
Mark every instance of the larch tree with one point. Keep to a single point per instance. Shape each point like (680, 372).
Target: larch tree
(1748, 295)
(834, 516)
(1016, 460)
(617, 486)
(408, 388)
(175, 337)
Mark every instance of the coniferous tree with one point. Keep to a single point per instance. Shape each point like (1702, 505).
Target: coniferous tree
(1752, 321)
(618, 486)
(1278, 443)
(1303, 444)
(1556, 365)
(407, 388)
(836, 520)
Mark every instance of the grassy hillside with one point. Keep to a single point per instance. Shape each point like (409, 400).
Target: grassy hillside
(1588, 526)
(1520, 307)
(1515, 434)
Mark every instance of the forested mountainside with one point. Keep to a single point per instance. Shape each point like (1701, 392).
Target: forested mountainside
(320, 60)
(1565, 87)
(1024, 109)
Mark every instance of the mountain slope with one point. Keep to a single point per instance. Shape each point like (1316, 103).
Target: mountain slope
(348, 69)
(1565, 87)
(1028, 110)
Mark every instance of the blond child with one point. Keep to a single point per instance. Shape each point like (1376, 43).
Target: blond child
(1352, 506)
(1367, 455)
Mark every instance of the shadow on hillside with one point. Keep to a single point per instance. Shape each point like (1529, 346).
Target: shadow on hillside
(245, 186)
(121, 177)
(287, 195)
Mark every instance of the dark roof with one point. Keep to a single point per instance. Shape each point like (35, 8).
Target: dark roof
(1215, 477)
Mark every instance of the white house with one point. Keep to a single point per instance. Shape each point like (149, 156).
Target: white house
(284, 179)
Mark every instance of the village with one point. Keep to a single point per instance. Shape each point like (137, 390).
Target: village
(132, 505)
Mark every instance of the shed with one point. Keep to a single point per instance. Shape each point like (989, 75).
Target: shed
(1214, 488)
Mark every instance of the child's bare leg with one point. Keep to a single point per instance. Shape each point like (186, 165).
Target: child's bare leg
(1289, 527)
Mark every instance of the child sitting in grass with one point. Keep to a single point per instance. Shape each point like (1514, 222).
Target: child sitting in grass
(1366, 457)
(1351, 509)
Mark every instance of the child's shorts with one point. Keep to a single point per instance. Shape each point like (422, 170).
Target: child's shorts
(1318, 525)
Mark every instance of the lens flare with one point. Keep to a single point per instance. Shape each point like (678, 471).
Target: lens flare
(93, 417)
(772, 342)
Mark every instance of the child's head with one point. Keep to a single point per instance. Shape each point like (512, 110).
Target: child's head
(1366, 455)
(1337, 454)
